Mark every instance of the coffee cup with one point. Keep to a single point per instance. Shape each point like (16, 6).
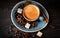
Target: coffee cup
(31, 12)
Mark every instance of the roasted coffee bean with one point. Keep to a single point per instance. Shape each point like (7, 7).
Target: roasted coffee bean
(26, 35)
(16, 33)
(33, 24)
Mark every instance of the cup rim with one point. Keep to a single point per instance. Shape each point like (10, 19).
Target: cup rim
(38, 14)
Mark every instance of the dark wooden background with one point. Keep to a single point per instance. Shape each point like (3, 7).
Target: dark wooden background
(53, 7)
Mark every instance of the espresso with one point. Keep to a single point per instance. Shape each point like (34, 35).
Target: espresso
(31, 12)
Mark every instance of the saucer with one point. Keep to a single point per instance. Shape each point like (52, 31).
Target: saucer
(42, 24)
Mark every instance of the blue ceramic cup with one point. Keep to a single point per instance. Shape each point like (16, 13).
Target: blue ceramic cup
(42, 24)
